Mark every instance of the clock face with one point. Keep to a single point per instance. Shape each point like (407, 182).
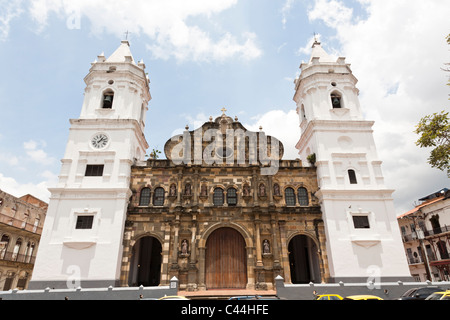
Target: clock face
(100, 141)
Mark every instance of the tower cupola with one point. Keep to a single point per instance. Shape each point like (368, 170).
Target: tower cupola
(117, 87)
(326, 89)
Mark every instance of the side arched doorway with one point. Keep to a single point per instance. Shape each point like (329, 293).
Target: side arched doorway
(226, 260)
(304, 260)
(145, 267)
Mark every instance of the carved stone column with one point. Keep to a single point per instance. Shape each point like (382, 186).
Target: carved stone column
(275, 243)
(258, 241)
(201, 268)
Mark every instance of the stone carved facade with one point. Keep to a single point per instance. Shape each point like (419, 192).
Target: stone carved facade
(254, 205)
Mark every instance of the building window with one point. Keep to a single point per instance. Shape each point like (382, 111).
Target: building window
(336, 100)
(108, 98)
(303, 197)
(289, 196)
(145, 197)
(443, 250)
(361, 222)
(84, 222)
(218, 198)
(352, 177)
(231, 197)
(94, 170)
(4, 242)
(158, 197)
(16, 250)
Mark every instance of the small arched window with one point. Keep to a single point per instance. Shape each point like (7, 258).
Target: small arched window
(4, 242)
(303, 113)
(30, 254)
(336, 100)
(108, 99)
(16, 250)
(144, 200)
(232, 197)
(218, 198)
(289, 196)
(158, 197)
(352, 177)
(443, 249)
(302, 195)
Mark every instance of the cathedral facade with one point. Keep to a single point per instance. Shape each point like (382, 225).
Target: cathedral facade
(223, 209)
(223, 224)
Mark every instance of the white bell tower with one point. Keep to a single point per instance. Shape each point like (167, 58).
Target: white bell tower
(363, 237)
(81, 243)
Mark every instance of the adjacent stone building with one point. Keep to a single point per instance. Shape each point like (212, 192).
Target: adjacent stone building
(21, 222)
(426, 237)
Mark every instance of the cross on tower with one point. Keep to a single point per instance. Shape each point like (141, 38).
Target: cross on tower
(224, 110)
(316, 37)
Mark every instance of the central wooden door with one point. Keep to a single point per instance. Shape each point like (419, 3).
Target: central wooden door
(226, 263)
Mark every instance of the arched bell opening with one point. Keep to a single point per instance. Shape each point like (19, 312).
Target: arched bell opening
(108, 99)
(336, 100)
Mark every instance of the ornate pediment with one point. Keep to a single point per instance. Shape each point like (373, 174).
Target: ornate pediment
(223, 141)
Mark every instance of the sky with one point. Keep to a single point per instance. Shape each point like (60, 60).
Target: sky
(204, 55)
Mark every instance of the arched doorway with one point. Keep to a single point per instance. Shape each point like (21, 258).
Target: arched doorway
(146, 260)
(226, 263)
(303, 260)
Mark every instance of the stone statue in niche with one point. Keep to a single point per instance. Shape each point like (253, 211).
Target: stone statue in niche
(184, 247)
(262, 190)
(173, 190)
(204, 191)
(246, 190)
(266, 246)
(187, 189)
(276, 190)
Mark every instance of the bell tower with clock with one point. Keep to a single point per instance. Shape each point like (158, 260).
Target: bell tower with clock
(81, 243)
(363, 238)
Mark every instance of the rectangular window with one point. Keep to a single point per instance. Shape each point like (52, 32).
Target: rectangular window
(84, 222)
(352, 177)
(361, 222)
(94, 170)
(231, 197)
(218, 197)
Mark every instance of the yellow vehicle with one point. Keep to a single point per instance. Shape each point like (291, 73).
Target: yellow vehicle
(441, 295)
(173, 298)
(362, 297)
(329, 297)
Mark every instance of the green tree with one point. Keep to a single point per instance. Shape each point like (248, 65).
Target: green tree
(434, 131)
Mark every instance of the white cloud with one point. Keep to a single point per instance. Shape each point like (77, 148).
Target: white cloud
(9, 10)
(332, 12)
(9, 159)
(285, 11)
(39, 190)
(164, 22)
(282, 125)
(37, 155)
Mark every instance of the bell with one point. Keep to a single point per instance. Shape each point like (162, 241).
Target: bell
(336, 102)
(107, 102)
